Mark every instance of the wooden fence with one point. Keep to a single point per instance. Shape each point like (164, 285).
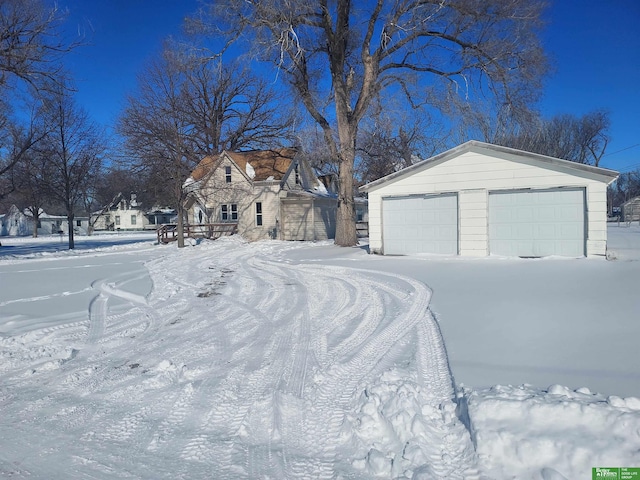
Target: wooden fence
(169, 232)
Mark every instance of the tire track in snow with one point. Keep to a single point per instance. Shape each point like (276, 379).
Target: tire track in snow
(370, 346)
(267, 366)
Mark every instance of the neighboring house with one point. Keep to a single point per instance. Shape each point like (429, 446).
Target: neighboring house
(269, 193)
(121, 214)
(158, 216)
(480, 199)
(17, 223)
(127, 214)
(630, 210)
(54, 224)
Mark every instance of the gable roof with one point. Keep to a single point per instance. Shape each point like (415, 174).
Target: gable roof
(489, 149)
(265, 163)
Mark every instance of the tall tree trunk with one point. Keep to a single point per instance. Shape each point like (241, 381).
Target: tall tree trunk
(36, 220)
(180, 226)
(72, 243)
(346, 235)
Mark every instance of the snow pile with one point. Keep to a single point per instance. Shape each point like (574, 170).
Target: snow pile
(251, 172)
(524, 432)
(401, 433)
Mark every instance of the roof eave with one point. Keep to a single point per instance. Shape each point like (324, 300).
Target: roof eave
(606, 175)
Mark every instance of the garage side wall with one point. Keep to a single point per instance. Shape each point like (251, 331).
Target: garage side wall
(472, 175)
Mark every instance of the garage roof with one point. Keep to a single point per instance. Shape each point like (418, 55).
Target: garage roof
(512, 154)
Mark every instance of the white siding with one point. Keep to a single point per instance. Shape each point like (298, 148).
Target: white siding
(473, 223)
(267, 194)
(324, 219)
(307, 218)
(297, 219)
(473, 175)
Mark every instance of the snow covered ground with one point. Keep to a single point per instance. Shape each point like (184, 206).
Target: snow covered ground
(126, 359)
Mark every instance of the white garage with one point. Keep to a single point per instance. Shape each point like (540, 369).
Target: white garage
(480, 199)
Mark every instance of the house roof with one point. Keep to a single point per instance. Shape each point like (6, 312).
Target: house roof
(267, 164)
(631, 201)
(512, 154)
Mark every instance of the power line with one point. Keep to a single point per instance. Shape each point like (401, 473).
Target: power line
(624, 149)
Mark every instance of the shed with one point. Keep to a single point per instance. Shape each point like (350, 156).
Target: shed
(480, 199)
(630, 210)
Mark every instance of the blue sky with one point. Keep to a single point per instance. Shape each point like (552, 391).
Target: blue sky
(593, 45)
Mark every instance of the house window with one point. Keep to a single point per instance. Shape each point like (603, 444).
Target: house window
(297, 174)
(78, 223)
(122, 205)
(133, 219)
(259, 214)
(227, 174)
(117, 219)
(229, 212)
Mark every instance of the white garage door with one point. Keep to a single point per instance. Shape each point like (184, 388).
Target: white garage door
(420, 224)
(537, 223)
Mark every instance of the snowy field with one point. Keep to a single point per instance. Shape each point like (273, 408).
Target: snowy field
(126, 359)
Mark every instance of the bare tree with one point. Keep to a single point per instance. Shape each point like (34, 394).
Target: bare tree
(343, 55)
(391, 139)
(158, 132)
(31, 46)
(16, 139)
(578, 139)
(626, 187)
(31, 178)
(31, 52)
(74, 148)
(229, 107)
(188, 107)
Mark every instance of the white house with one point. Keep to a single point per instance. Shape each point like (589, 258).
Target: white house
(17, 223)
(480, 199)
(127, 214)
(268, 193)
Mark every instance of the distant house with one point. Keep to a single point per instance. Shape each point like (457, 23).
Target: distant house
(54, 224)
(127, 214)
(268, 193)
(17, 223)
(630, 210)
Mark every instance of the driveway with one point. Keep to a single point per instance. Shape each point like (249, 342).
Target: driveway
(572, 322)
